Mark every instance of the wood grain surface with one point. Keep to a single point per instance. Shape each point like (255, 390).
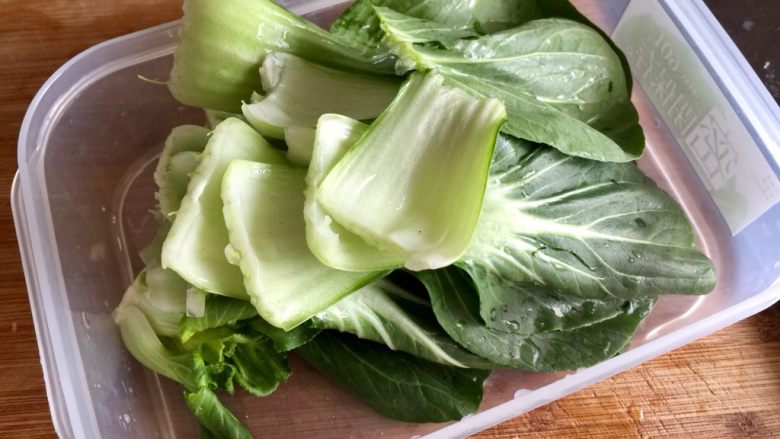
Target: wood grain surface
(725, 385)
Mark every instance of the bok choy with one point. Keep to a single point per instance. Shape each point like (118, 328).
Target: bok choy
(429, 191)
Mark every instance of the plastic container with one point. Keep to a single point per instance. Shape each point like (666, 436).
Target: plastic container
(83, 192)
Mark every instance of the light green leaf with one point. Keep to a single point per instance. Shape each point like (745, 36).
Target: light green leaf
(328, 240)
(263, 210)
(178, 159)
(414, 181)
(196, 242)
(222, 45)
(298, 92)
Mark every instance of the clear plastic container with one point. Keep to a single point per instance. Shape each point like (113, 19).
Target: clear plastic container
(83, 193)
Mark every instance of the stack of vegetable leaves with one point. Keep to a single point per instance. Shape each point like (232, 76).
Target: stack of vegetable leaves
(428, 191)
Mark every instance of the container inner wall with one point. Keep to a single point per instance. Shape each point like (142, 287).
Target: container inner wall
(97, 170)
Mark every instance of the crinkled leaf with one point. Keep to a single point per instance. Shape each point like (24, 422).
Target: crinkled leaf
(259, 368)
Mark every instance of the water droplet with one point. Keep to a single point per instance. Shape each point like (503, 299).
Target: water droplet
(460, 324)
(631, 259)
(512, 324)
(640, 222)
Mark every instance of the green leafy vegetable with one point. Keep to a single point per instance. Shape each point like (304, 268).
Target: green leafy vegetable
(526, 308)
(263, 207)
(298, 92)
(537, 257)
(222, 45)
(385, 313)
(150, 254)
(216, 117)
(414, 181)
(145, 345)
(360, 24)
(562, 83)
(178, 159)
(160, 295)
(219, 311)
(455, 304)
(328, 240)
(284, 341)
(259, 369)
(395, 384)
(583, 228)
(214, 417)
(300, 144)
(196, 242)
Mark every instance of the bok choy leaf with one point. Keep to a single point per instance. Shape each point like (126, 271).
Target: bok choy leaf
(385, 313)
(582, 228)
(455, 303)
(222, 45)
(561, 82)
(395, 384)
(263, 207)
(297, 93)
(414, 181)
(333, 244)
(195, 246)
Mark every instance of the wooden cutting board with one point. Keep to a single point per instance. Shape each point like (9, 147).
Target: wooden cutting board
(725, 385)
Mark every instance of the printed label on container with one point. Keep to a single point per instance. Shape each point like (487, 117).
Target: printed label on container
(697, 113)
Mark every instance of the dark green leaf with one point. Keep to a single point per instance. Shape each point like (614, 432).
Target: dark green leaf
(359, 24)
(525, 308)
(284, 341)
(259, 368)
(561, 81)
(219, 311)
(455, 303)
(385, 313)
(582, 228)
(396, 384)
(214, 416)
